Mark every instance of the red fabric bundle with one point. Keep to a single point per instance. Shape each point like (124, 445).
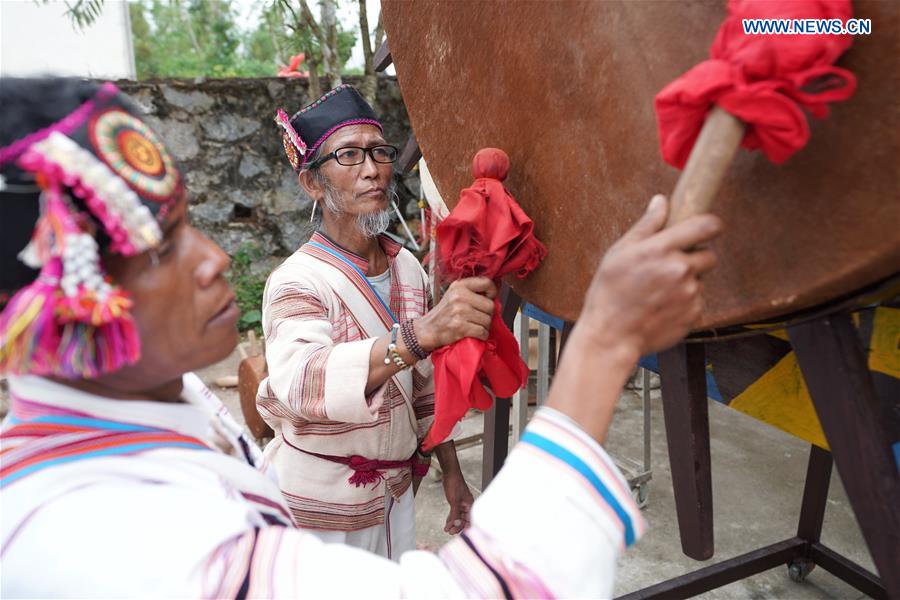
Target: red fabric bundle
(763, 80)
(487, 234)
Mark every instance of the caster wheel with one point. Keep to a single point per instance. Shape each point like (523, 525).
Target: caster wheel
(799, 569)
(640, 494)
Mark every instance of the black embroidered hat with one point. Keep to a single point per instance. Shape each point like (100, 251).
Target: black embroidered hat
(308, 129)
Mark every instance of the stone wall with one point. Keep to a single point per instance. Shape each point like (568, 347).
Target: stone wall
(222, 134)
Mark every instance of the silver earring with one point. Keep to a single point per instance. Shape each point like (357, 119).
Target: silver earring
(154, 258)
(313, 213)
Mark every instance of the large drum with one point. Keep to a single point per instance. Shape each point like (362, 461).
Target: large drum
(567, 87)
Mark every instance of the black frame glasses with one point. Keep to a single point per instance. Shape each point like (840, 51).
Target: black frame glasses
(390, 156)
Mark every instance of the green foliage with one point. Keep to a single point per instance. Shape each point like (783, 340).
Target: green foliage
(296, 35)
(248, 287)
(193, 38)
(84, 12)
(263, 43)
(346, 41)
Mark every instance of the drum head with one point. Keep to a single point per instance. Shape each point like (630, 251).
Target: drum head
(566, 89)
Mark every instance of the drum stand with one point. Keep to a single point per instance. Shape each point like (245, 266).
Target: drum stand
(496, 419)
(858, 424)
(859, 427)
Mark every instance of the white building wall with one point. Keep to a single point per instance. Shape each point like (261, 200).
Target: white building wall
(39, 39)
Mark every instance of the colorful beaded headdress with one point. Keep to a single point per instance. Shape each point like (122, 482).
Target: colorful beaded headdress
(308, 129)
(104, 183)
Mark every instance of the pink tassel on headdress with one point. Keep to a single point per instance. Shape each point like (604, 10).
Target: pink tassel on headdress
(28, 332)
(88, 351)
(283, 121)
(46, 331)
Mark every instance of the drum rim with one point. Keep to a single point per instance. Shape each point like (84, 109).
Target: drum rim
(885, 291)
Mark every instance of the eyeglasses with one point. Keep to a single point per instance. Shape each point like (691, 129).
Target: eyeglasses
(349, 156)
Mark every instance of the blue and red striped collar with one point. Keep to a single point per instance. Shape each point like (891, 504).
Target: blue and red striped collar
(390, 247)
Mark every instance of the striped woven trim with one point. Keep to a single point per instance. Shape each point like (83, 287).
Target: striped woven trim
(58, 440)
(316, 514)
(284, 517)
(355, 274)
(227, 571)
(47, 424)
(555, 439)
(483, 572)
(24, 409)
(390, 247)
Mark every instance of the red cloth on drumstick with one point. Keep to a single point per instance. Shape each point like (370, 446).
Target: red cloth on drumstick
(486, 234)
(764, 80)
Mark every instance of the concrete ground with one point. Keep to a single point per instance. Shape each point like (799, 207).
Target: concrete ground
(758, 475)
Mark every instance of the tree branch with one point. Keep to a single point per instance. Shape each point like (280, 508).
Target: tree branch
(189, 24)
(310, 21)
(379, 30)
(267, 15)
(364, 34)
(83, 13)
(287, 4)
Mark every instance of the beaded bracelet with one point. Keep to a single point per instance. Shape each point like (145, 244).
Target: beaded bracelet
(412, 343)
(392, 353)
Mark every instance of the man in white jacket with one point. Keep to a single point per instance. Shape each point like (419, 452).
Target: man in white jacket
(349, 328)
(122, 476)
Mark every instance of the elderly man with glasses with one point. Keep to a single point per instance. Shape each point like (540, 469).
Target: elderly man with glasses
(349, 328)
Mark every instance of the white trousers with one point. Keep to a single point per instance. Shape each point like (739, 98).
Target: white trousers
(391, 539)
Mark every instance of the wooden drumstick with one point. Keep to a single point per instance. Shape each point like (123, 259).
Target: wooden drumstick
(702, 176)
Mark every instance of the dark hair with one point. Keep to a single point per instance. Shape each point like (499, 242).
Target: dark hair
(26, 106)
(32, 104)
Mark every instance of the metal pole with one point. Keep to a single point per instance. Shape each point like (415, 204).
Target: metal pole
(409, 234)
(522, 326)
(645, 396)
(543, 370)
